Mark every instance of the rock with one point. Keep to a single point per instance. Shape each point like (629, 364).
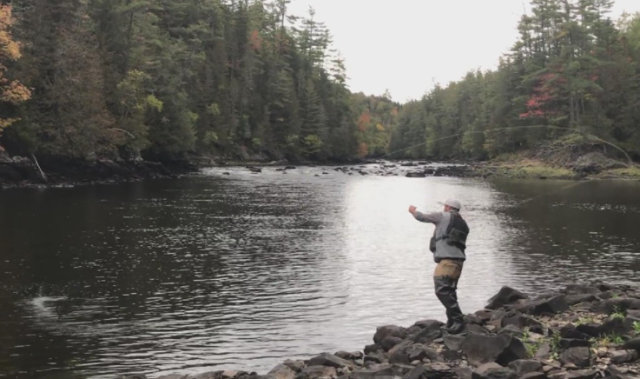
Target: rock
(632, 344)
(477, 329)
(525, 366)
(554, 305)
(377, 357)
(282, 371)
(581, 289)
(511, 330)
(372, 348)
(629, 322)
(413, 330)
(429, 332)
(407, 354)
(330, 360)
(534, 375)
(581, 374)
(570, 331)
(611, 305)
(320, 372)
(417, 373)
(350, 356)
(576, 299)
(493, 371)
(389, 331)
(566, 343)
(502, 349)
(296, 366)
(206, 375)
(522, 322)
(463, 372)
(484, 315)
(416, 174)
(544, 351)
(135, 376)
(505, 296)
(390, 342)
(453, 342)
(624, 356)
(579, 356)
(230, 374)
(614, 372)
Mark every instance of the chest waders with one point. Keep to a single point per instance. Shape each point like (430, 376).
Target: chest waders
(448, 273)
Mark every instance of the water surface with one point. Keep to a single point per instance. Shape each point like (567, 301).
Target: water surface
(243, 271)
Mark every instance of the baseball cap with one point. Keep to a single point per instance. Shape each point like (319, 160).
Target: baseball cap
(453, 203)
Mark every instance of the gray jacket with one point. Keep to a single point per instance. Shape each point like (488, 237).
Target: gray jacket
(441, 221)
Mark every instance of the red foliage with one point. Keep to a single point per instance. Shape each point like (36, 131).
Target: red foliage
(363, 121)
(255, 40)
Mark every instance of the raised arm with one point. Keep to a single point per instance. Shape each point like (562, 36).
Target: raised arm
(433, 218)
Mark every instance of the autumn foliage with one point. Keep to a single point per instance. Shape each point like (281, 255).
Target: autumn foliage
(11, 91)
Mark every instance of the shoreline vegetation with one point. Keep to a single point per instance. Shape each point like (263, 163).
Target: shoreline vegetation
(584, 331)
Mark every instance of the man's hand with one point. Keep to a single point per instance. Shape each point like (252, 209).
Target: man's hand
(412, 210)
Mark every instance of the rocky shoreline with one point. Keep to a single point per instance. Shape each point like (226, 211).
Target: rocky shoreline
(585, 331)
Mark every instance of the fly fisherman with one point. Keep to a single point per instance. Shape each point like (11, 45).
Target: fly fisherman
(448, 245)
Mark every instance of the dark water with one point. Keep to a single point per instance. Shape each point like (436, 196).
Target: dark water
(243, 271)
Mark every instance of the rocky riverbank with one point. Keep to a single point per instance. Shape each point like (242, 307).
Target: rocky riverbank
(581, 332)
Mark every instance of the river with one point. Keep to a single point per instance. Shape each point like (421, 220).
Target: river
(242, 271)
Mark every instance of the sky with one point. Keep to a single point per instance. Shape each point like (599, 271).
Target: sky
(406, 46)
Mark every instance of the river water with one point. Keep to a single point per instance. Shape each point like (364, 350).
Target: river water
(242, 271)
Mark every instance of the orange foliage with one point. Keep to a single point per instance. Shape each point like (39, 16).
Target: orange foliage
(255, 40)
(394, 111)
(363, 121)
(10, 91)
(363, 150)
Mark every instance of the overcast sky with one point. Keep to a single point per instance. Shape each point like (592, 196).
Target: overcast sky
(406, 45)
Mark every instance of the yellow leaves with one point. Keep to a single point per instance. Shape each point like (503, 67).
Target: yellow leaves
(380, 127)
(10, 91)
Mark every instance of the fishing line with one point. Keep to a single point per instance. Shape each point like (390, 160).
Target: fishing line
(630, 161)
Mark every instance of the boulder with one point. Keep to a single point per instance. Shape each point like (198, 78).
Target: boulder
(566, 343)
(372, 348)
(390, 342)
(618, 304)
(614, 372)
(544, 351)
(350, 356)
(534, 375)
(493, 371)
(453, 342)
(579, 356)
(383, 332)
(477, 329)
(632, 344)
(577, 299)
(522, 322)
(525, 366)
(502, 349)
(511, 330)
(282, 371)
(570, 331)
(410, 353)
(296, 366)
(428, 334)
(330, 360)
(613, 326)
(581, 374)
(581, 289)
(320, 372)
(377, 357)
(439, 370)
(484, 315)
(554, 305)
(623, 356)
(505, 296)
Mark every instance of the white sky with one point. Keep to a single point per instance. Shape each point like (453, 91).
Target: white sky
(406, 45)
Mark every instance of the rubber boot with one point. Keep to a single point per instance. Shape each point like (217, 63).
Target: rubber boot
(445, 287)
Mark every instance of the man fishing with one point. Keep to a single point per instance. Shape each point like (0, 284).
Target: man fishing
(448, 245)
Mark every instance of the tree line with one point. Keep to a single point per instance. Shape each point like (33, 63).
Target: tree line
(572, 68)
(161, 79)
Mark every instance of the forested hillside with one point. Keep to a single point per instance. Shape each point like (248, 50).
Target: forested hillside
(572, 67)
(163, 78)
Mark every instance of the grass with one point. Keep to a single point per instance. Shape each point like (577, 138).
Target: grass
(636, 327)
(609, 340)
(585, 320)
(630, 172)
(617, 313)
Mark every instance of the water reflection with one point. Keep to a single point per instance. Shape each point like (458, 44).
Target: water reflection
(245, 270)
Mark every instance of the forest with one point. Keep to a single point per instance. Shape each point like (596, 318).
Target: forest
(166, 79)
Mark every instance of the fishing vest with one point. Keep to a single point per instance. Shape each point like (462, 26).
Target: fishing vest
(455, 235)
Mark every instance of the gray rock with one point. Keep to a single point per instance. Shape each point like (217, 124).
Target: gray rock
(581, 289)
(430, 330)
(350, 356)
(566, 343)
(582, 374)
(544, 351)
(522, 322)
(407, 354)
(623, 356)
(377, 357)
(330, 360)
(382, 372)
(525, 366)
(390, 342)
(511, 330)
(579, 356)
(493, 371)
(534, 375)
(577, 299)
(611, 305)
(453, 342)
(320, 372)
(554, 305)
(372, 348)
(283, 371)
(383, 332)
(296, 366)
(502, 349)
(439, 370)
(477, 329)
(505, 296)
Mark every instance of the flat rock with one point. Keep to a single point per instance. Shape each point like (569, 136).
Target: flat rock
(428, 334)
(505, 296)
(410, 353)
(511, 330)
(330, 360)
(553, 305)
(618, 304)
(570, 331)
(296, 366)
(525, 366)
(577, 299)
(566, 343)
(383, 332)
(632, 344)
(351, 356)
(283, 371)
(581, 374)
(623, 356)
(320, 372)
(534, 375)
(579, 356)
(453, 342)
(544, 351)
(493, 371)
(372, 348)
(502, 349)
(390, 342)
(581, 289)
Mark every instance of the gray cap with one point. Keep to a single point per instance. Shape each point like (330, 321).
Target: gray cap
(453, 203)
